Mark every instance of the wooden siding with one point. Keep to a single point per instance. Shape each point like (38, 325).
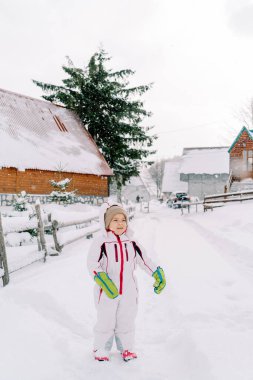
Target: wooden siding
(37, 182)
(237, 164)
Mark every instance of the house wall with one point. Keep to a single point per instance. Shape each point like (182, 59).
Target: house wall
(37, 182)
(200, 185)
(236, 162)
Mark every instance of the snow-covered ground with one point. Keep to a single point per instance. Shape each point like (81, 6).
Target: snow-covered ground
(199, 328)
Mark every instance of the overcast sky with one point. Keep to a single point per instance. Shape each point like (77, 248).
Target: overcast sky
(198, 53)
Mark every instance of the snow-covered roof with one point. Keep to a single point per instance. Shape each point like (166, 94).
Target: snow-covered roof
(244, 129)
(36, 134)
(209, 160)
(171, 178)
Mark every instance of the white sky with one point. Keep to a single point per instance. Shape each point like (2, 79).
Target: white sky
(198, 53)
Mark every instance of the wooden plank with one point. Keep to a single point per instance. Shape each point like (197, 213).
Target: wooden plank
(226, 195)
(55, 224)
(229, 200)
(3, 257)
(41, 230)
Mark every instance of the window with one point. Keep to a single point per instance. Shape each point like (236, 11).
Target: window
(248, 159)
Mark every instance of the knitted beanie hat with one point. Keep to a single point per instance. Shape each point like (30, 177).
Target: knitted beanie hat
(111, 212)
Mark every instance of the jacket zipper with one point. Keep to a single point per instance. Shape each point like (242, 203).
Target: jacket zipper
(126, 251)
(121, 265)
(116, 253)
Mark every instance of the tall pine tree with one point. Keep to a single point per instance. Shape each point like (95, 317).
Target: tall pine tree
(111, 111)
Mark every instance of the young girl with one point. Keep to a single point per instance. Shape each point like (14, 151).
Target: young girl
(112, 260)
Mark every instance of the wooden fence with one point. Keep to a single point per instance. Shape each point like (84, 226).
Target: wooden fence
(188, 205)
(4, 271)
(86, 226)
(67, 237)
(238, 196)
(218, 200)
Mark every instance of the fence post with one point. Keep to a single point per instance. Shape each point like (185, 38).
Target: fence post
(3, 257)
(54, 232)
(41, 229)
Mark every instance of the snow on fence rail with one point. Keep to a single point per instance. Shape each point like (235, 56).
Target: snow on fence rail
(86, 225)
(18, 226)
(60, 221)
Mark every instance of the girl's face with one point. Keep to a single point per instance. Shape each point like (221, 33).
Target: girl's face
(118, 224)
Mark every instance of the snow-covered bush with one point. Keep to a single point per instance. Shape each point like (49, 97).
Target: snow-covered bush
(60, 194)
(66, 196)
(16, 239)
(21, 202)
(61, 185)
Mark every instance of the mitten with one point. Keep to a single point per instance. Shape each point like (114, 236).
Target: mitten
(160, 280)
(108, 286)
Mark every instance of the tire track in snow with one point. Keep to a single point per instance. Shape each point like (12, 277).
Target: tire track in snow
(163, 334)
(205, 319)
(240, 257)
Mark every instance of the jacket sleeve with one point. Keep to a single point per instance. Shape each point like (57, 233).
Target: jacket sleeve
(143, 260)
(96, 257)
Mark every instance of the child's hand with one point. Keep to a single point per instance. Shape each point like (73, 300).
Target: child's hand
(108, 286)
(160, 280)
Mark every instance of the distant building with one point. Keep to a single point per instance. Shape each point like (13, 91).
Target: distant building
(171, 178)
(241, 161)
(241, 155)
(40, 141)
(199, 171)
(142, 187)
(206, 170)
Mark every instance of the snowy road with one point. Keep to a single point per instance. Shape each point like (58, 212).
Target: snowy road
(199, 328)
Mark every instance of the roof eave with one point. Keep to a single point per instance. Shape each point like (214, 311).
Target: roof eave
(238, 136)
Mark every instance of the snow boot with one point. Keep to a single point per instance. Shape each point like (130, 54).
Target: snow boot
(101, 355)
(127, 355)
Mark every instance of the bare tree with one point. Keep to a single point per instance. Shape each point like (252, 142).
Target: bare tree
(157, 170)
(245, 114)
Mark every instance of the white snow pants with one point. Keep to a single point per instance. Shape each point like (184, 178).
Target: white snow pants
(115, 318)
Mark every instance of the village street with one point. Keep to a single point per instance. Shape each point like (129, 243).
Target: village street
(200, 327)
(143, 110)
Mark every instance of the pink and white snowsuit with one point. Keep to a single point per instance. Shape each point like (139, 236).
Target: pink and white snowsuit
(118, 257)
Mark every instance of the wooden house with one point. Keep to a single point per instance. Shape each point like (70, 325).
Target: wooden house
(241, 155)
(40, 141)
